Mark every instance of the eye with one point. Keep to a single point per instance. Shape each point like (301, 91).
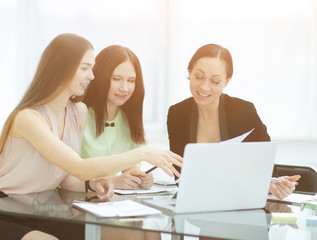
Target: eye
(116, 78)
(199, 77)
(216, 80)
(132, 80)
(84, 68)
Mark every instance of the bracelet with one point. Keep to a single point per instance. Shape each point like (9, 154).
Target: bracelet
(87, 187)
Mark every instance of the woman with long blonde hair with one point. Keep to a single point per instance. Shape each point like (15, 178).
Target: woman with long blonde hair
(41, 140)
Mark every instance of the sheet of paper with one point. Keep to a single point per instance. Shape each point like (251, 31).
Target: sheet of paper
(140, 191)
(164, 183)
(238, 139)
(293, 198)
(126, 208)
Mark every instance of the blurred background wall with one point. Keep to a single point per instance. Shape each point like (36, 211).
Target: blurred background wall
(273, 45)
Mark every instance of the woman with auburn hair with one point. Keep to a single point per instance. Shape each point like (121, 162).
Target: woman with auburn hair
(212, 116)
(115, 103)
(41, 140)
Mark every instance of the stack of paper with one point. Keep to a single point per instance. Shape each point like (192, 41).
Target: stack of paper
(127, 208)
(140, 191)
(285, 218)
(293, 198)
(311, 221)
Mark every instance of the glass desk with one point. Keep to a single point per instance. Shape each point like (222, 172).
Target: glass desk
(56, 205)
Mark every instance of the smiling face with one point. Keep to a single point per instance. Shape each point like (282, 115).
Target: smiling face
(122, 84)
(207, 80)
(83, 74)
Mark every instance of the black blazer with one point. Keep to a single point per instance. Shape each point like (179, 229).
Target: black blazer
(236, 117)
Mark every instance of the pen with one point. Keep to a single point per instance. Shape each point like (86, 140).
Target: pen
(150, 170)
(274, 179)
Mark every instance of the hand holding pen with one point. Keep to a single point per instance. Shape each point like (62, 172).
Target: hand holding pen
(147, 180)
(283, 186)
(274, 179)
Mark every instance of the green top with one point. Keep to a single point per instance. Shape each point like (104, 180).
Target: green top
(113, 140)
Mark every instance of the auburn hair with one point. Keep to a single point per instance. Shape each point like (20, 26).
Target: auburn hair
(96, 96)
(216, 51)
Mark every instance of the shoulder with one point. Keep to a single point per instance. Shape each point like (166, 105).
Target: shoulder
(82, 111)
(240, 111)
(179, 115)
(81, 108)
(237, 103)
(182, 107)
(28, 114)
(28, 119)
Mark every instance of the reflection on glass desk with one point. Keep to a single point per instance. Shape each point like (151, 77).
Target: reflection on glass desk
(248, 224)
(251, 224)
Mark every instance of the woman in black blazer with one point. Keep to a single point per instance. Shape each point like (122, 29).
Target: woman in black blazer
(211, 116)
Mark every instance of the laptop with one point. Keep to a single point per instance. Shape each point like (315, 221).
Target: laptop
(222, 176)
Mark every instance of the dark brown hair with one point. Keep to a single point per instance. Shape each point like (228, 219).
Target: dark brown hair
(97, 94)
(216, 51)
(57, 66)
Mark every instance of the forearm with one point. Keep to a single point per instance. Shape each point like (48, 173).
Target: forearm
(73, 184)
(136, 166)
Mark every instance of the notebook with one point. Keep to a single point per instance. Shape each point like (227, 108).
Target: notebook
(218, 177)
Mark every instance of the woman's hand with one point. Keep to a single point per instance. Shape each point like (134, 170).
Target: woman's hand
(103, 187)
(163, 159)
(286, 187)
(129, 179)
(147, 181)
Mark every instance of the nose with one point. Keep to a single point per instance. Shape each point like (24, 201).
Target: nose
(91, 75)
(205, 85)
(123, 86)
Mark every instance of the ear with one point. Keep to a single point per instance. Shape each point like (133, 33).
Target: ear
(188, 75)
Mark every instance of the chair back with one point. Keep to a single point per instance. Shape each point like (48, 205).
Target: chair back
(308, 181)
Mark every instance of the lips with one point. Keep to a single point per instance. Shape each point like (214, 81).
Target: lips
(84, 86)
(120, 96)
(203, 95)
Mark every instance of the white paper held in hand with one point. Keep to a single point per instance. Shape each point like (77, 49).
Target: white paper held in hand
(238, 139)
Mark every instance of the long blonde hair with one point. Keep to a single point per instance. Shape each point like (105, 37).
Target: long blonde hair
(54, 73)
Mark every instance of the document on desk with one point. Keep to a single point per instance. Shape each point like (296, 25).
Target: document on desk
(126, 208)
(238, 139)
(140, 191)
(293, 198)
